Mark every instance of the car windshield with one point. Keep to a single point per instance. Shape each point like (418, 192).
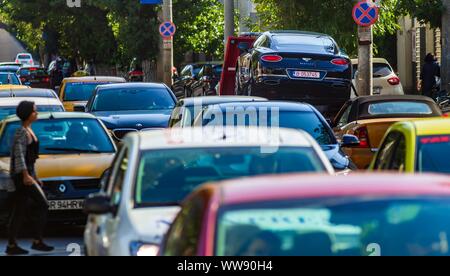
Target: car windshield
(24, 57)
(9, 69)
(9, 79)
(433, 154)
(380, 70)
(62, 136)
(327, 227)
(399, 107)
(307, 121)
(133, 99)
(6, 111)
(80, 91)
(168, 176)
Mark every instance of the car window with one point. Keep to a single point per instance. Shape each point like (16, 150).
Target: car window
(433, 154)
(386, 152)
(183, 239)
(399, 107)
(344, 119)
(381, 70)
(117, 179)
(6, 111)
(157, 98)
(63, 136)
(80, 91)
(186, 72)
(24, 57)
(9, 79)
(166, 177)
(399, 158)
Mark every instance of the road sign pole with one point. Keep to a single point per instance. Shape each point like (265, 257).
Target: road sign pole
(229, 19)
(364, 80)
(167, 46)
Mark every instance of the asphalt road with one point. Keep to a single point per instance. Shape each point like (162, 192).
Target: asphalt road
(67, 240)
(9, 46)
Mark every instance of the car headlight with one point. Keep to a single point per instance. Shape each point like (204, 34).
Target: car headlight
(143, 249)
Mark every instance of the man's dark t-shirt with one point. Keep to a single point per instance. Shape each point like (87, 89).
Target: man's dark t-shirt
(428, 76)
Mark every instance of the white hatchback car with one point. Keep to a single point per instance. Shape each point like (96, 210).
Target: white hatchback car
(25, 59)
(155, 170)
(385, 81)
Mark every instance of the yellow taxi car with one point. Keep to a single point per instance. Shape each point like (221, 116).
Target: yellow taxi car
(369, 117)
(9, 87)
(77, 90)
(75, 152)
(415, 146)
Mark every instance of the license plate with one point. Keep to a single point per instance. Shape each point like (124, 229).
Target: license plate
(306, 74)
(58, 205)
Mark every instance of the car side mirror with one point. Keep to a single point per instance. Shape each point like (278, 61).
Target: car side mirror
(97, 204)
(244, 47)
(350, 141)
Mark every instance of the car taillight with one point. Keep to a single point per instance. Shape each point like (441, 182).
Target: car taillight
(340, 61)
(23, 79)
(17, 61)
(271, 58)
(394, 81)
(47, 79)
(363, 136)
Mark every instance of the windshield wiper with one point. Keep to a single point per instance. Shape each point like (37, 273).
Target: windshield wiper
(73, 150)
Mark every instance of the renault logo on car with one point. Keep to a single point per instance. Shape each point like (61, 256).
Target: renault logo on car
(62, 188)
(138, 125)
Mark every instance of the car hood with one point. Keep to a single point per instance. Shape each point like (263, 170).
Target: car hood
(151, 224)
(337, 157)
(135, 119)
(68, 165)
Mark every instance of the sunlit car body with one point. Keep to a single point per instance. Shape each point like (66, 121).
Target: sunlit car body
(304, 215)
(10, 69)
(155, 170)
(415, 146)
(207, 80)
(75, 151)
(298, 116)
(385, 81)
(78, 90)
(8, 80)
(369, 118)
(187, 109)
(132, 107)
(25, 91)
(9, 105)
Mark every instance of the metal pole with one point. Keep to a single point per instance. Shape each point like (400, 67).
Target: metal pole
(445, 70)
(229, 19)
(364, 80)
(167, 46)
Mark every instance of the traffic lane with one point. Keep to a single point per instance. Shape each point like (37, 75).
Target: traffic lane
(67, 240)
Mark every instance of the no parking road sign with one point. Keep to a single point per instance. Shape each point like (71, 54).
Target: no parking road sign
(365, 13)
(167, 29)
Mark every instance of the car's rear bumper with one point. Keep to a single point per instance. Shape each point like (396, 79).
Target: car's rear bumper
(361, 157)
(328, 95)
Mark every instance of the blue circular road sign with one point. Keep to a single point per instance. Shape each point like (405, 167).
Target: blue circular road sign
(167, 29)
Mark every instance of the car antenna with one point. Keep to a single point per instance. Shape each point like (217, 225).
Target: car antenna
(51, 116)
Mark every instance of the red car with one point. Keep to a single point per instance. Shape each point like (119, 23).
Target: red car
(313, 215)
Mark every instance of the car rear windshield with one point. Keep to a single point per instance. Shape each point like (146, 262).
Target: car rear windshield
(336, 227)
(306, 43)
(39, 72)
(24, 57)
(63, 136)
(80, 91)
(272, 117)
(133, 99)
(9, 79)
(380, 70)
(6, 111)
(166, 177)
(433, 154)
(399, 107)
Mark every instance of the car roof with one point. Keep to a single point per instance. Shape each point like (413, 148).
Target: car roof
(9, 67)
(283, 106)
(204, 63)
(294, 32)
(95, 79)
(10, 63)
(26, 91)
(377, 98)
(213, 137)
(14, 101)
(309, 186)
(429, 126)
(56, 115)
(132, 85)
(210, 100)
(7, 87)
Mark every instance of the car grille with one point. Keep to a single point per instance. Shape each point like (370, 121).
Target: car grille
(82, 184)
